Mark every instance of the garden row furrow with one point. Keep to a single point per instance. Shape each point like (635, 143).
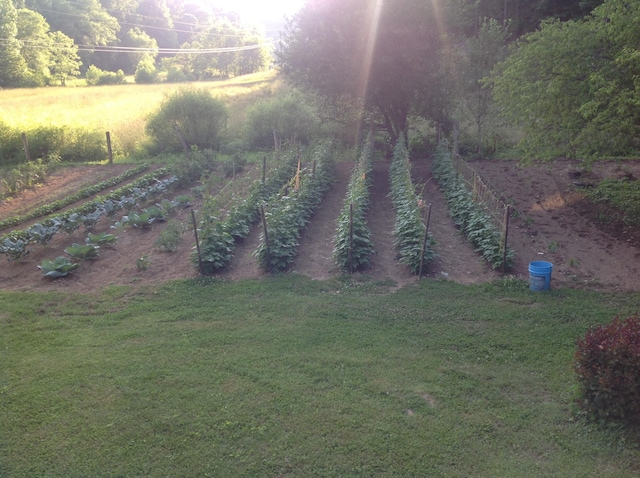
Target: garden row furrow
(473, 220)
(287, 214)
(84, 193)
(352, 245)
(413, 248)
(218, 236)
(15, 244)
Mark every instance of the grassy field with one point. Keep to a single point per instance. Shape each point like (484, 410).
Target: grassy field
(122, 109)
(291, 377)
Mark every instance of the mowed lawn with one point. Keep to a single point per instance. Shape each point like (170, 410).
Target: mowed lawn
(286, 376)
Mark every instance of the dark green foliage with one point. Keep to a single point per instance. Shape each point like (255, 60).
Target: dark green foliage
(288, 214)
(193, 114)
(352, 244)
(623, 195)
(473, 220)
(217, 238)
(608, 369)
(409, 227)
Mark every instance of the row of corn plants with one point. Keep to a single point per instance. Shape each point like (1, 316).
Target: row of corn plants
(473, 220)
(218, 236)
(287, 214)
(409, 227)
(15, 244)
(352, 245)
(83, 193)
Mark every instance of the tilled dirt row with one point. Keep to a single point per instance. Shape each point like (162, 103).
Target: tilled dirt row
(551, 225)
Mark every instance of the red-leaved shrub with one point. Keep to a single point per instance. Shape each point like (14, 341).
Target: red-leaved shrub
(608, 369)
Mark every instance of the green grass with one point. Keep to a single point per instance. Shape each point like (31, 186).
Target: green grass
(291, 377)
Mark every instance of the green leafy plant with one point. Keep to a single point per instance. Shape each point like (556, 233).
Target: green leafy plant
(170, 237)
(409, 227)
(83, 251)
(352, 246)
(59, 267)
(14, 248)
(218, 237)
(473, 220)
(287, 214)
(101, 239)
(607, 363)
(142, 263)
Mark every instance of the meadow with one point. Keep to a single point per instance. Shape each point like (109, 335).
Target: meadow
(123, 109)
(285, 376)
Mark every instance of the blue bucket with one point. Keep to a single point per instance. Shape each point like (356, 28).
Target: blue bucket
(540, 275)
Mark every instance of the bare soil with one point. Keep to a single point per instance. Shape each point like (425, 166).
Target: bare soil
(554, 223)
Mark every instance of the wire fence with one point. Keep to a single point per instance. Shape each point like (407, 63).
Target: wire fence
(482, 194)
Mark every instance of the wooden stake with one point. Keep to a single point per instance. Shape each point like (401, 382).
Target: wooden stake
(195, 232)
(25, 146)
(505, 236)
(424, 241)
(109, 150)
(264, 169)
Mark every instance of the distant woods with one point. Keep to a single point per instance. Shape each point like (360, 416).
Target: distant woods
(48, 42)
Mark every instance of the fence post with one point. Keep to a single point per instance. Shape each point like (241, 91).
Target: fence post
(424, 241)
(505, 236)
(195, 231)
(264, 168)
(109, 150)
(25, 146)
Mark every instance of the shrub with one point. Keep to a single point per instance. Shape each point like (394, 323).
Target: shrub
(289, 116)
(146, 71)
(196, 114)
(96, 76)
(607, 362)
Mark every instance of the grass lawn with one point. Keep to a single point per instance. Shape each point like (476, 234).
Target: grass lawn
(291, 377)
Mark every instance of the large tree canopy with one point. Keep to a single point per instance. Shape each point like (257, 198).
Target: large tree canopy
(384, 55)
(574, 87)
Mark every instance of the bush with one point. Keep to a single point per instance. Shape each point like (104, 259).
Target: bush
(608, 369)
(288, 115)
(198, 116)
(96, 76)
(146, 71)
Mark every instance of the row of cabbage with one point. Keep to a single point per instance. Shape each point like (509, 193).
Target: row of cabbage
(413, 248)
(287, 214)
(15, 245)
(474, 221)
(219, 235)
(84, 193)
(352, 245)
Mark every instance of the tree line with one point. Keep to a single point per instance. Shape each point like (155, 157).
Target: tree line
(47, 42)
(563, 72)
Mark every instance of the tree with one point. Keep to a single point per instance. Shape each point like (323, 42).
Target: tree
(13, 69)
(65, 62)
(385, 55)
(479, 56)
(572, 86)
(33, 35)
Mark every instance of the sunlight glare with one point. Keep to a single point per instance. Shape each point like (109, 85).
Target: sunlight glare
(258, 10)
